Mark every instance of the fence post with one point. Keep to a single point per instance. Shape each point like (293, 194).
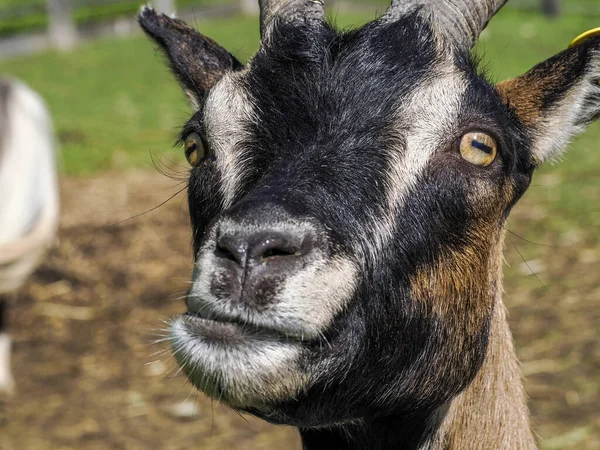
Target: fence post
(61, 27)
(165, 6)
(551, 8)
(249, 7)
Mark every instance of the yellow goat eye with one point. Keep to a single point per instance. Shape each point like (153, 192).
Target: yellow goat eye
(194, 149)
(478, 148)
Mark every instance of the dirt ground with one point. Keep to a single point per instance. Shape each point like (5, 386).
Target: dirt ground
(90, 375)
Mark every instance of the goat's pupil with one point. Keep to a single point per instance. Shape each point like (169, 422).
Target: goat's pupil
(481, 146)
(192, 146)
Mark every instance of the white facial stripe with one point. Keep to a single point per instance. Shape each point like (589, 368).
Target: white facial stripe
(227, 113)
(431, 115)
(318, 293)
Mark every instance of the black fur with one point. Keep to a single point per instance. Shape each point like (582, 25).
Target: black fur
(197, 61)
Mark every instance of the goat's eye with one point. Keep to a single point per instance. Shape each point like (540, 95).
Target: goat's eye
(478, 148)
(195, 149)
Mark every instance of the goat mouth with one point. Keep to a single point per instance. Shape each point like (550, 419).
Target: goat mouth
(233, 331)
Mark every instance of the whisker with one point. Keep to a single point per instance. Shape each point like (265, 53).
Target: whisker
(148, 211)
(526, 240)
(527, 264)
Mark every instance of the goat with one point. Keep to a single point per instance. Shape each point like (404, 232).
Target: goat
(347, 196)
(29, 207)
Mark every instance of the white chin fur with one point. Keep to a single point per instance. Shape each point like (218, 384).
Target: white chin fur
(247, 370)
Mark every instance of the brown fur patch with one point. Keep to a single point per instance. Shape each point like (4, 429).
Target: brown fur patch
(457, 284)
(525, 100)
(531, 94)
(491, 413)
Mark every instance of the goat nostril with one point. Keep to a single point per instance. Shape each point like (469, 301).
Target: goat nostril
(256, 248)
(273, 252)
(271, 246)
(224, 253)
(232, 248)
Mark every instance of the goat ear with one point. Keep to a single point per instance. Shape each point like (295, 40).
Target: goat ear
(558, 98)
(197, 61)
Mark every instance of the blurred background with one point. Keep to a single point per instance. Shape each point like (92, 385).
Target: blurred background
(88, 370)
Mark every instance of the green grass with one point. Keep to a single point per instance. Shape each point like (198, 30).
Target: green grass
(14, 3)
(31, 15)
(114, 102)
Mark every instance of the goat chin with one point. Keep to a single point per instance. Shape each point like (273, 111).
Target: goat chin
(246, 367)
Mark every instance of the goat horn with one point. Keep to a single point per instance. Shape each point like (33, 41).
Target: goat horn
(462, 20)
(290, 11)
(399, 8)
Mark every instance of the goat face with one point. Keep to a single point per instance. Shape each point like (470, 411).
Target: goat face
(348, 211)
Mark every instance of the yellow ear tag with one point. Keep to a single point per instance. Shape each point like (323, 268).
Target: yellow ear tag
(585, 36)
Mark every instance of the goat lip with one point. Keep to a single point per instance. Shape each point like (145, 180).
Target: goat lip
(230, 327)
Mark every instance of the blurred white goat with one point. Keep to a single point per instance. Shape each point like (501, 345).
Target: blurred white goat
(29, 204)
